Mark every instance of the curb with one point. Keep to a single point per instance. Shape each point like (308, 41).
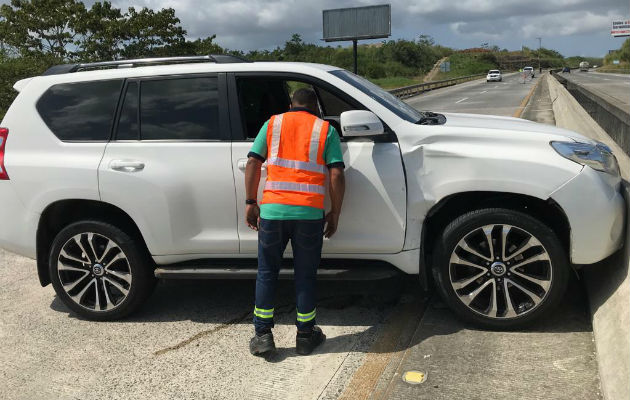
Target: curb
(607, 282)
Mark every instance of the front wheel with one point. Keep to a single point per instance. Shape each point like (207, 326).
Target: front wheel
(499, 268)
(99, 271)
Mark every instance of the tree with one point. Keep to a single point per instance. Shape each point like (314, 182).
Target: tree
(102, 33)
(150, 33)
(41, 26)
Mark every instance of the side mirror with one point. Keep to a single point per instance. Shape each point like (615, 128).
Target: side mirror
(360, 123)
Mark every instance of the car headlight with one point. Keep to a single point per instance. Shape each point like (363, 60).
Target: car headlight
(597, 156)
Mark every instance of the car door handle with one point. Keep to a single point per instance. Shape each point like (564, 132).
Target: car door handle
(242, 165)
(126, 165)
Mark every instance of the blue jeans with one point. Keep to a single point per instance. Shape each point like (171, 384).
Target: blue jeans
(306, 241)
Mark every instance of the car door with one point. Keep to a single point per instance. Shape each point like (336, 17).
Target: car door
(169, 165)
(374, 208)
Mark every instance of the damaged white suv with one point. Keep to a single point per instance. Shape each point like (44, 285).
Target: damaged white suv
(114, 174)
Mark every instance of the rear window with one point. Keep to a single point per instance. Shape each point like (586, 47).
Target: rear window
(82, 111)
(494, 71)
(529, 68)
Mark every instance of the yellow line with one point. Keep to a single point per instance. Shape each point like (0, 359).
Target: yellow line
(365, 379)
(521, 108)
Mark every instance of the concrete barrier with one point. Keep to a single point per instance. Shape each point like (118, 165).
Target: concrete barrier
(605, 110)
(607, 282)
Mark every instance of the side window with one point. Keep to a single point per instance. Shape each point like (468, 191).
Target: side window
(183, 108)
(128, 121)
(332, 106)
(259, 99)
(82, 111)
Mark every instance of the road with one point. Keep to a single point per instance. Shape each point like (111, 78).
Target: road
(615, 87)
(190, 340)
(478, 97)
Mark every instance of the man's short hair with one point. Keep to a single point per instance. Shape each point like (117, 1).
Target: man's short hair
(305, 97)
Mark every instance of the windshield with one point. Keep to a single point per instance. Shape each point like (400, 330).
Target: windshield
(386, 99)
(494, 71)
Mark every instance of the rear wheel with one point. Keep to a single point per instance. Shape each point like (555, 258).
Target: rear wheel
(99, 271)
(500, 268)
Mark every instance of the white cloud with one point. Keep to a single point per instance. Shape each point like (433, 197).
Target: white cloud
(257, 24)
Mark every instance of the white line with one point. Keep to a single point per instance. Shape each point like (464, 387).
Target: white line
(483, 91)
(459, 101)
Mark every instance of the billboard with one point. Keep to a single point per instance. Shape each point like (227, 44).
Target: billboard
(369, 22)
(620, 28)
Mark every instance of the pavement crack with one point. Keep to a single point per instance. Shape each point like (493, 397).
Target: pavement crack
(203, 333)
(281, 310)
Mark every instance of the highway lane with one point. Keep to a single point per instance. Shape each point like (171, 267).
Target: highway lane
(478, 97)
(614, 87)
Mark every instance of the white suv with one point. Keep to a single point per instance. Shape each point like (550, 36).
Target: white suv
(494, 75)
(116, 173)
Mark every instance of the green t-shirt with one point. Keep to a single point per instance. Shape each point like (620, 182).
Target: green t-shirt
(332, 156)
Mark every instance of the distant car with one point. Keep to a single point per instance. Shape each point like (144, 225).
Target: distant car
(584, 66)
(494, 75)
(566, 69)
(595, 66)
(529, 70)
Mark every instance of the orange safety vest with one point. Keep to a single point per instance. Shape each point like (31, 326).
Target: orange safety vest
(296, 172)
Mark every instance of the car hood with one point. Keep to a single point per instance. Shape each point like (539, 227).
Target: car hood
(509, 124)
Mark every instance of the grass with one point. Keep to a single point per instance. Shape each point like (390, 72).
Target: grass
(394, 82)
(623, 68)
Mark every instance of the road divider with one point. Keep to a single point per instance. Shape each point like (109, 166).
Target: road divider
(414, 90)
(606, 111)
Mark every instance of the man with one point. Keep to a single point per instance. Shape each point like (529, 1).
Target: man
(298, 147)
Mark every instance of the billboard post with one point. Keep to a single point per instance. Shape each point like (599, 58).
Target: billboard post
(354, 24)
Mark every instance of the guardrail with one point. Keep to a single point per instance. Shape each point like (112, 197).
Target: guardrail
(413, 90)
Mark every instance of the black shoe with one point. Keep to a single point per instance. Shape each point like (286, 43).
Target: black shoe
(305, 345)
(262, 344)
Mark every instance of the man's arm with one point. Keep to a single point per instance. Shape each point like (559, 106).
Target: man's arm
(252, 179)
(337, 190)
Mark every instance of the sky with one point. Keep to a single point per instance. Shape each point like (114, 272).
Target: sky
(572, 27)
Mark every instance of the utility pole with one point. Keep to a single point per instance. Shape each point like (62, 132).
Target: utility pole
(539, 46)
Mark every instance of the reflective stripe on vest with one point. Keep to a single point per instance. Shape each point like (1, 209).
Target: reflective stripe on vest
(296, 170)
(295, 187)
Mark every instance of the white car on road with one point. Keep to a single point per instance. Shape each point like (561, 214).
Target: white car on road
(529, 70)
(494, 75)
(113, 177)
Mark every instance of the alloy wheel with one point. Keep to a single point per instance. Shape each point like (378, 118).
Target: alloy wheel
(94, 271)
(500, 271)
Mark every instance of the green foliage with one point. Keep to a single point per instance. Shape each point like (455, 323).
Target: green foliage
(463, 64)
(41, 26)
(14, 69)
(623, 54)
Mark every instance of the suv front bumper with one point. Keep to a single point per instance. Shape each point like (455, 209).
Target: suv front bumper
(596, 210)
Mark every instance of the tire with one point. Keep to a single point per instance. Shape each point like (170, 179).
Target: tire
(534, 252)
(116, 264)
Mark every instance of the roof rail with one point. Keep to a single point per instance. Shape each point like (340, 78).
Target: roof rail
(216, 58)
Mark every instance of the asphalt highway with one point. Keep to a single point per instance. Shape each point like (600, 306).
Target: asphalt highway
(479, 97)
(615, 87)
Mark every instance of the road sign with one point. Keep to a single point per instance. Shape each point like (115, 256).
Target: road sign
(445, 66)
(620, 28)
(357, 23)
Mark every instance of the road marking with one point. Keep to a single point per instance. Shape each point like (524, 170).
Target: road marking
(459, 101)
(483, 92)
(521, 108)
